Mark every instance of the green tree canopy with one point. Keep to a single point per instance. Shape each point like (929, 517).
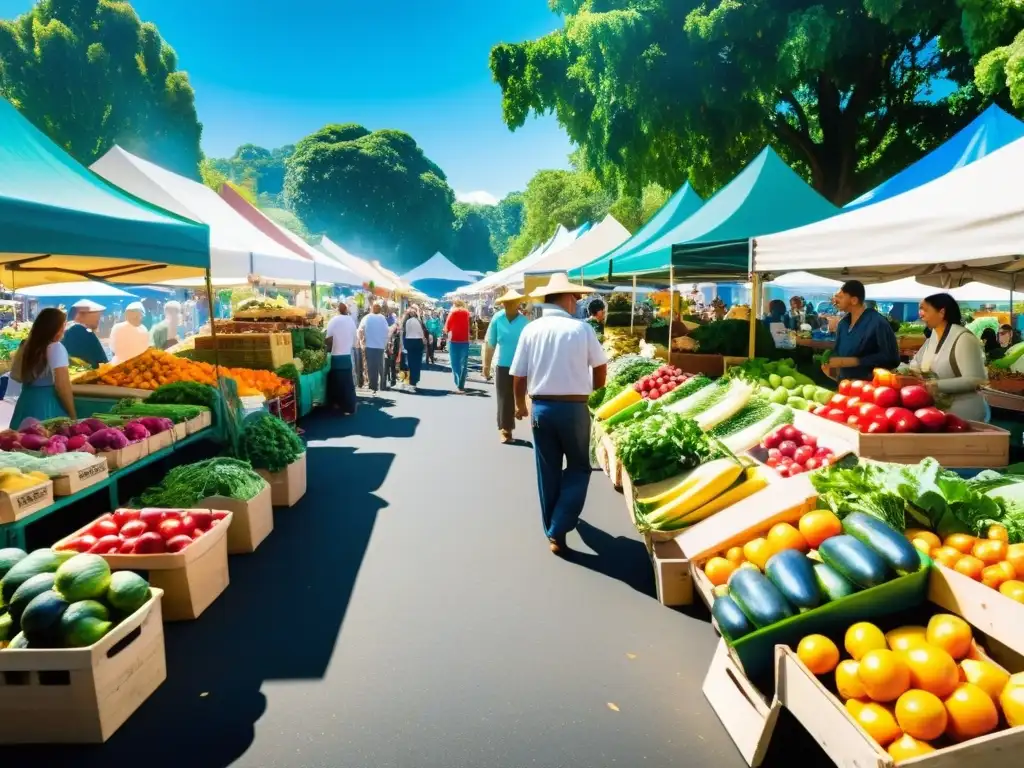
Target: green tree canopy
(471, 247)
(264, 168)
(90, 74)
(505, 220)
(375, 192)
(668, 90)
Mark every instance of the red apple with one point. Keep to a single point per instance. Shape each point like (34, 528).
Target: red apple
(915, 397)
(837, 415)
(170, 528)
(932, 419)
(844, 386)
(885, 397)
(955, 424)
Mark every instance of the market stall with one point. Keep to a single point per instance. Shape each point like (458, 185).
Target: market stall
(437, 276)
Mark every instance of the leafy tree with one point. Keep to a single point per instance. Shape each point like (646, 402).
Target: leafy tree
(211, 175)
(376, 192)
(505, 220)
(632, 212)
(90, 74)
(289, 221)
(264, 168)
(997, 36)
(669, 90)
(471, 238)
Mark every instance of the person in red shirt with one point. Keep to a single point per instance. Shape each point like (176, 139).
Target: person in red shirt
(457, 328)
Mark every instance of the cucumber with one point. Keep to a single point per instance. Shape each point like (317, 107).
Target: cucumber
(856, 562)
(41, 620)
(832, 585)
(893, 547)
(39, 561)
(731, 620)
(760, 600)
(628, 413)
(41, 582)
(793, 574)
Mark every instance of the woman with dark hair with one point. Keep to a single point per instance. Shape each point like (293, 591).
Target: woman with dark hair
(776, 312)
(41, 367)
(990, 341)
(955, 356)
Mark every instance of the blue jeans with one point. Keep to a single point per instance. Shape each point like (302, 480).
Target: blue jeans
(561, 431)
(414, 356)
(458, 354)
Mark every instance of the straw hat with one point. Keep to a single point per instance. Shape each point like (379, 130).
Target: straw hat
(559, 283)
(511, 295)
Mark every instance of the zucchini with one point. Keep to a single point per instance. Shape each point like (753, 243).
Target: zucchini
(627, 413)
(736, 399)
(832, 585)
(793, 574)
(855, 561)
(697, 489)
(625, 398)
(760, 600)
(732, 622)
(893, 547)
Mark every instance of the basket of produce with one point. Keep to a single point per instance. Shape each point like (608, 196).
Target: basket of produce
(23, 493)
(69, 471)
(83, 645)
(245, 350)
(277, 454)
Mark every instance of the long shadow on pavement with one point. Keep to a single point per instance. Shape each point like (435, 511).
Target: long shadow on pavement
(617, 557)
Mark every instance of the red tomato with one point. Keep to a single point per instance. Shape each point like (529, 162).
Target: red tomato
(789, 432)
(170, 528)
(178, 543)
(837, 415)
(664, 389)
(783, 470)
(853, 406)
(821, 410)
(870, 411)
(886, 397)
(772, 440)
(188, 525)
(787, 448)
(774, 453)
(932, 419)
(877, 428)
(803, 453)
(127, 546)
(654, 394)
(202, 517)
(894, 413)
(795, 469)
(915, 397)
(838, 401)
(149, 543)
(123, 515)
(218, 514)
(104, 528)
(103, 545)
(133, 528)
(853, 421)
(856, 386)
(867, 392)
(955, 424)
(197, 533)
(771, 461)
(811, 464)
(82, 543)
(810, 440)
(844, 386)
(905, 424)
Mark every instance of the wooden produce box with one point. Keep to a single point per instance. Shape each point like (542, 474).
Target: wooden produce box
(267, 351)
(83, 695)
(671, 572)
(180, 431)
(199, 423)
(15, 505)
(694, 362)
(159, 441)
(288, 485)
(251, 521)
(124, 457)
(92, 473)
(614, 465)
(985, 446)
(993, 613)
(191, 579)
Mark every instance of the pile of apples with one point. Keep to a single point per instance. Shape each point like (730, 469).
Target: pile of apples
(660, 383)
(880, 409)
(144, 531)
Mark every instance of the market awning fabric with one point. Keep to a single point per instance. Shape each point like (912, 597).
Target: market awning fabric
(85, 288)
(60, 222)
(237, 248)
(437, 267)
(966, 225)
(991, 130)
(606, 235)
(363, 268)
(905, 289)
(683, 204)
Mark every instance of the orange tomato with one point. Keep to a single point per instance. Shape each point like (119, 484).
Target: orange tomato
(998, 532)
(922, 715)
(718, 570)
(950, 633)
(818, 653)
(878, 721)
(785, 536)
(758, 551)
(735, 555)
(884, 674)
(971, 713)
(984, 674)
(961, 542)
(1011, 700)
(990, 551)
(947, 556)
(861, 638)
(969, 566)
(994, 575)
(906, 747)
(1013, 589)
(1015, 557)
(848, 684)
(904, 638)
(928, 537)
(932, 670)
(818, 525)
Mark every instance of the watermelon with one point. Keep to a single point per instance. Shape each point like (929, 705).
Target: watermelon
(83, 577)
(10, 557)
(40, 561)
(84, 632)
(17, 642)
(127, 592)
(38, 584)
(41, 620)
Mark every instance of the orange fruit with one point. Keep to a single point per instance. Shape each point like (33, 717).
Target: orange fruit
(818, 653)
(971, 713)
(994, 575)
(848, 684)
(1015, 557)
(735, 555)
(853, 706)
(904, 638)
(718, 570)
(818, 525)
(1011, 700)
(861, 638)
(950, 633)
(758, 551)
(947, 556)
(984, 674)
(990, 551)
(785, 536)
(997, 533)
(932, 670)
(970, 566)
(878, 721)
(906, 747)
(884, 674)
(961, 542)
(1013, 589)
(921, 714)
(922, 545)
(928, 537)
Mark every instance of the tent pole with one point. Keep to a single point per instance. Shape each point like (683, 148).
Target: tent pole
(755, 301)
(632, 309)
(671, 308)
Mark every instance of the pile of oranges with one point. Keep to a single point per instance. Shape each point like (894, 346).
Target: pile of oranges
(991, 559)
(154, 368)
(914, 686)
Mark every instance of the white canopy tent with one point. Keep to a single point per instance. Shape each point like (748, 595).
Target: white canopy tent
(361, 267)
(607, 235)
(905, 289)
(237, 248)
(91, 288)
(438, 267)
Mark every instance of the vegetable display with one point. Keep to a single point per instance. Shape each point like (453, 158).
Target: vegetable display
(916, 689)
(312, 359)
(790, 452)
(779, 382)
(632, 371)
(13, 480)
(184, 393)
(158, 415)
(878, 408)
(187, 485)
(660, 382)
(64, 600)
(57, 465)
(661, 446)
(990, 559)
(268, 443)
(148, 531)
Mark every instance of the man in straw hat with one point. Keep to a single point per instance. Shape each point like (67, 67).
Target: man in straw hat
(559, 363)
(503, 332)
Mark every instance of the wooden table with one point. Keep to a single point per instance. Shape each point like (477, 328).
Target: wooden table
(1005, 400)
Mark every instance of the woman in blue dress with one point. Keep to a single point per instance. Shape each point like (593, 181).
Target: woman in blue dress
(41, 367)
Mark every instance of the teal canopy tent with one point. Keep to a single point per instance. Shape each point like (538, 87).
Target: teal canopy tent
(59, 221)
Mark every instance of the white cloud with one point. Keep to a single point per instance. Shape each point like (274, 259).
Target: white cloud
(480, 197)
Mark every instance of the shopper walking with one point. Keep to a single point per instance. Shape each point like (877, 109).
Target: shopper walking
(414, 336)
(559, 363)
(503, 332)
(457, 328)
(393, 355)
(341, 338)
(433, 326)
(373, 336)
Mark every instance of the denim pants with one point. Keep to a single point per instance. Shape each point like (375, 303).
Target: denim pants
(375, 369)
(414, 356)
(458, 354)
(561, 432)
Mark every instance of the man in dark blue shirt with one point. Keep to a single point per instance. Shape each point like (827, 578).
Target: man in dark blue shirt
(864, 339)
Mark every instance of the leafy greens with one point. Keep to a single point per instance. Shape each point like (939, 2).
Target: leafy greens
(660, 446)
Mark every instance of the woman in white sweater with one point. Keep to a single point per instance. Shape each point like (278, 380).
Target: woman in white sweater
(955, 356)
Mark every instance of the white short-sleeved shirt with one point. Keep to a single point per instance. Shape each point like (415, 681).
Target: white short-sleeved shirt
(375, 329)
(556, 354)
(413, 328)
(341, 330)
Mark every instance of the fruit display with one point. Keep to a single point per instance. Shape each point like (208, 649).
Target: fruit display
(990, 558)
(794, 568)
(13, 480)
(790, 452)
(916, 689)
(148, 531)
(57, 599)
(779, 382)
(661, 446)
(660, 382)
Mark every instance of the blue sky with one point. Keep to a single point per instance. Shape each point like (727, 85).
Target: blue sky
(269, 72)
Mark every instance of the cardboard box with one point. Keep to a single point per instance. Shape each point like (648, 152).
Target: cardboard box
(159, 441)
(251, 521)
(199, 423)
(83, 695)
(180, 431)
(614, 465)
(671, 573)
(124, 457)
(15, 505)
(191, 579)
(92, 473)
(288, 485)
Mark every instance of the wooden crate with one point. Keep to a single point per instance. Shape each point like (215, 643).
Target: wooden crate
(251, 521)
(18, 504)
(159, 441)
(671, 572)
(92, 473)
(614, 465)
(993, 613)
(267, 351)
(693, 362)
(83, 695)
(199, 423)
(288, 485)
(180, 431)
(126, 456)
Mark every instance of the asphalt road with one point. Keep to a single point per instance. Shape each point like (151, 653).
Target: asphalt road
(408, 613)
